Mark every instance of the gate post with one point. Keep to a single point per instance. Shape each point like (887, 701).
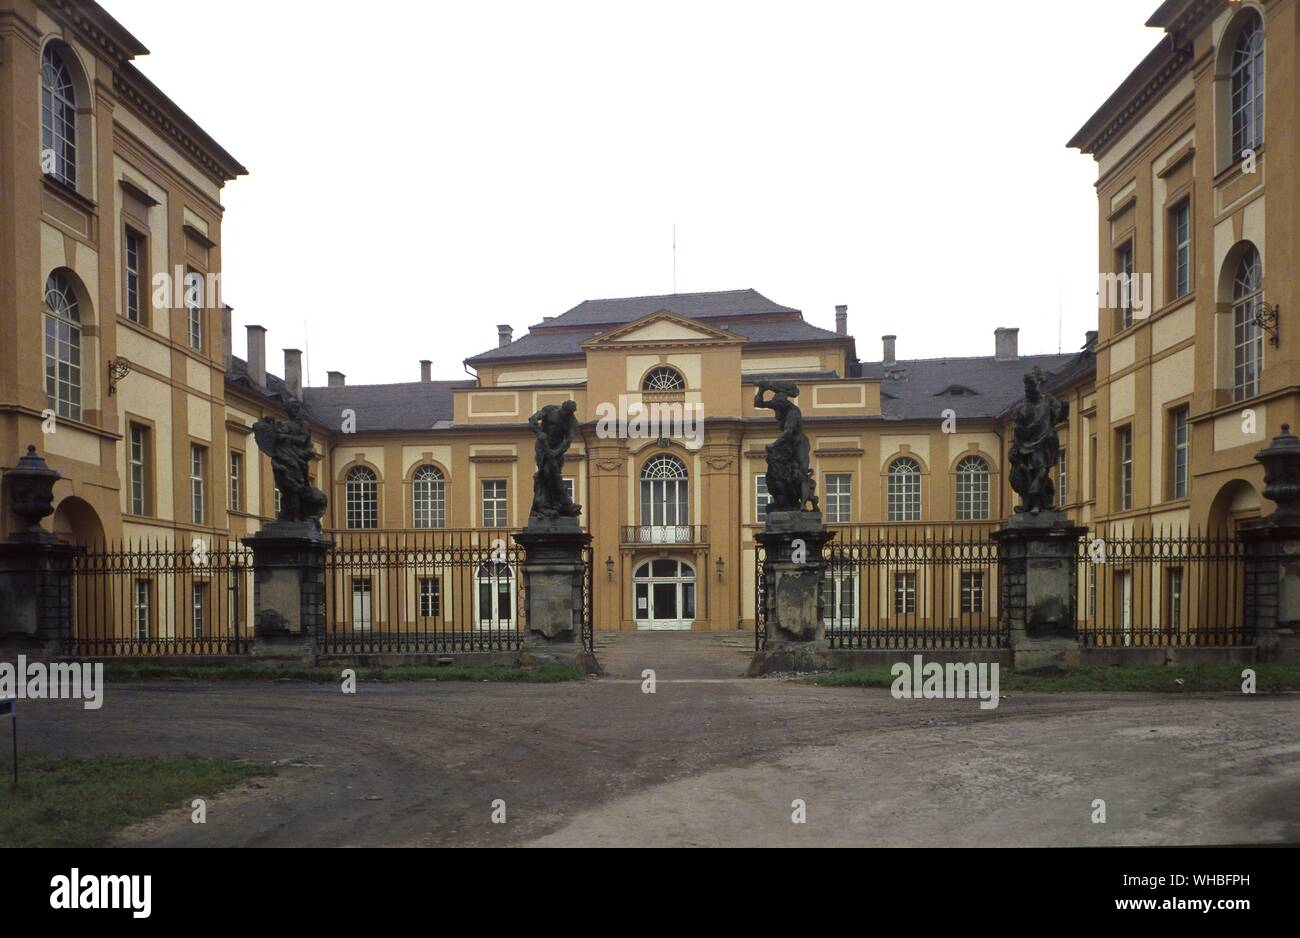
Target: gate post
(288, 589)
(1037, 554)
(1272, 547)
(793, 542)
(35, 566)
(554, 592)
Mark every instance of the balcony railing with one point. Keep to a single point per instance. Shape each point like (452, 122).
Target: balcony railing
(665, 534)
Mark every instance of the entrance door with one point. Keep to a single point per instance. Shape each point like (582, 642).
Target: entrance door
(664, 595)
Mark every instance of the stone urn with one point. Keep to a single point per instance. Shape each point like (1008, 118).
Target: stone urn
(31, 496)
(1281, 460)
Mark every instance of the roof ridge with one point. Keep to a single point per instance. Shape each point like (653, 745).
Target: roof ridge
(651, 296)
(972, 358)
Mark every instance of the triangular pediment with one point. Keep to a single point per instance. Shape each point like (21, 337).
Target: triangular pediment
(663, 328)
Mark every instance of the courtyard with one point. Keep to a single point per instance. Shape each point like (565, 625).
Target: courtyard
(709, 759)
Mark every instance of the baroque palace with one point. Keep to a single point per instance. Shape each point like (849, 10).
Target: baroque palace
(147, 413)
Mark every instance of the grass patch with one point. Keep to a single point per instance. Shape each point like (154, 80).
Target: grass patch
(544, 674)
(1271, 677)
(75, 802)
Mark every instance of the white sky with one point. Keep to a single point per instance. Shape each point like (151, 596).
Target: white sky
(422, 171)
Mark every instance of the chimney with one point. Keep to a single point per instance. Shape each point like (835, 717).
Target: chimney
(1091, 339)
(505, 335)
(426, 370)
(257, 355)
(889, 341)
(293, 372)
(337, 379)
(1006, 342)
(227, 347)
(842, 320)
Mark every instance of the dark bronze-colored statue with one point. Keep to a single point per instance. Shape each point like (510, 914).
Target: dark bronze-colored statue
(287, 441)
(790, 482)
(1035, 447)
(554, 426)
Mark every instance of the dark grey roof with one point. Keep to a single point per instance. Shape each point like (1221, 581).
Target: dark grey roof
(541, 344)
(916, 389)
(690, 305)
(275, 389)
(414, 406)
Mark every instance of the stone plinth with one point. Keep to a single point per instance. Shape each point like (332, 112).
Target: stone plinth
(1273, 554)
(288, 589)
(793, 542)
(553, 573)
(1038, 558)
(35, 595)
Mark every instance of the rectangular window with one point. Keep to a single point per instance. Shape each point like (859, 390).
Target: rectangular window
(1174, 599)
(494, 503)
(194, 307)
(1062, 479)
(1181, 440)
(839, 598)
(198, 460)
(236, 481)
(361, 591)
(430, 598)
(1092, 467)
(1124, 480)
(1182, 245)
(761, 499)
(138, 477)
(134, 276)
(141, 613)
(839, 506)
(904, 593)
(199, 609)
(276, 497)
(569, 489)
(1247, 348)
(972, 592)
(1124, 267)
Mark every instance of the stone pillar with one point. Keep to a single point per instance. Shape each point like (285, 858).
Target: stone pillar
(288, 589)
(553, 590)
(1272, 547)
(36, 615)
(1038, 556)
(793, 542)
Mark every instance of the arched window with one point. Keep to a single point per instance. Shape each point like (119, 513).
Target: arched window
(664, 494)
(62, 347)
(972, 489)
(904, 494)
(1247, 336)
(429, 498)
(361, 497)
(496, 597)
(664, 379)
(1247, 79)
(58, 117)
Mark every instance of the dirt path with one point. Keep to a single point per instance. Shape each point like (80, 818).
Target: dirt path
(708, 759)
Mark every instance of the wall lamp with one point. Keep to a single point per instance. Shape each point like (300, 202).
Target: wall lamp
(1266, 317)
(609, 569)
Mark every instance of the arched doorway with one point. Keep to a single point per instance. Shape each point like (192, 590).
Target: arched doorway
(664, 595)
(77, 523)
(1236, 502)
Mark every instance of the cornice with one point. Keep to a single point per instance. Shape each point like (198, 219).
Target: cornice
(1155, 85)
(220, 170)
(97, 27)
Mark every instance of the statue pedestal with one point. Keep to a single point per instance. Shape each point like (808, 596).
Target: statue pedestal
(795, 637)
(1038, 557)
(288, 589)
(553, 572)
(35, 594)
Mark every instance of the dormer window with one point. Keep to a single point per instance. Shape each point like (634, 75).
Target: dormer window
(956, 390)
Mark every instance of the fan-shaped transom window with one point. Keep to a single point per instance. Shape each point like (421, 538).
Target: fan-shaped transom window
(904, 493)
(62, 347)
(664, 379)
(664, 493)
(1247, 336)
(58, 117)
(1248, 86)
(665, 570)
(972, 489)
(361, 498)
(428, 494)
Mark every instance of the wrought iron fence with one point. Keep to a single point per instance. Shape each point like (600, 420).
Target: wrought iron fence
(428, 591)
(158, 599)
(1167, 588)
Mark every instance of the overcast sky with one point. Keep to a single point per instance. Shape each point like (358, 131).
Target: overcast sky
(422, 171)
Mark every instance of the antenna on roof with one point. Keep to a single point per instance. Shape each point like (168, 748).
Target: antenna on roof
(306, 354)
(1060, 310)
(674, 258)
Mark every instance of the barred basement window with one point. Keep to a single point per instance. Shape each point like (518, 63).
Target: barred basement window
(429, 495)
(972, 489)
(361, 499)
(904, 494)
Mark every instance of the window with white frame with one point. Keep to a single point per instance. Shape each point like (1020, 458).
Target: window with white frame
(142, 612)
(361, 498)
(1062, 478)
(278, 500)
(138, 469)
(904, 594)
(972, 591)
(198, 609)
(664, 379)
(194, 307)
(62, 347)
(1174, 600)
(1182, 232)
(904, 490)
(198, 484)
(430, 597)
(494, 503)
(761, 499)
(1247, 80)
(1124, 263)
(839, 596)
(134, 271)
(58, 117)
(236, 481)
(664, 493)
(839, 498)
(428, 492)
(570, 489)
(1124, 452)
(496, 596)
(362, 598)
(972, 489)
(1182, 452)
(1247, 336)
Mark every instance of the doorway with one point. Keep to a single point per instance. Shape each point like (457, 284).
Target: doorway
(664, 596)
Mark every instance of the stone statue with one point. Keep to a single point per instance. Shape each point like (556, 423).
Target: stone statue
(1035, 447)
(790, 482)
(554, 426)
(287, 441)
